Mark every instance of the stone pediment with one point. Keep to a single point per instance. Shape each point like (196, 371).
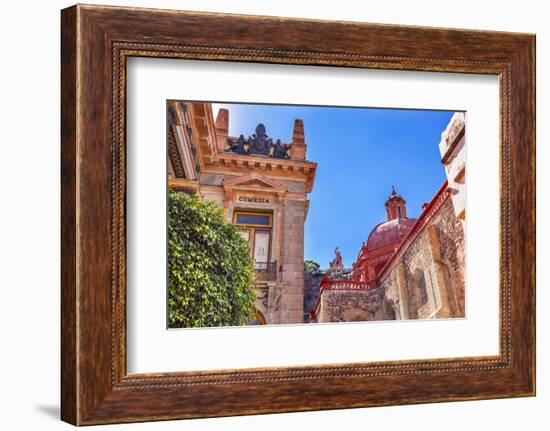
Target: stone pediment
(254, 181)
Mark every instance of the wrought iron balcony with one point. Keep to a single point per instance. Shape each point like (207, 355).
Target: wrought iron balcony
(266, 271)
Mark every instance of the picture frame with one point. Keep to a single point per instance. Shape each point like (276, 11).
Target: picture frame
(96, 42)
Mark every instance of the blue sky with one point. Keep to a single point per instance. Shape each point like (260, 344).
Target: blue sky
(361, 153)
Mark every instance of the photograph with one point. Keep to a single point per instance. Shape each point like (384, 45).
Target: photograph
(297, 214)
(264, 211)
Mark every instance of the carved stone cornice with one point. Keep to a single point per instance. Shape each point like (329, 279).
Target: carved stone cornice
(174, 154)
(180, 184)
(211, 157)
(450, 138)
(254, 183)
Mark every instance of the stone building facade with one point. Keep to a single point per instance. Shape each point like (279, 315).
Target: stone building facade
(453, 156)
(346, 301)
(425, 277)
(409, 268)
(261, 184)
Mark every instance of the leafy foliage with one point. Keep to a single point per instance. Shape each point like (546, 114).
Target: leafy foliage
(311, 267)
(210, 271)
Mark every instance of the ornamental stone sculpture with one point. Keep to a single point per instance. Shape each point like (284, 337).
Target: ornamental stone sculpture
(259, 144)
(337, 263)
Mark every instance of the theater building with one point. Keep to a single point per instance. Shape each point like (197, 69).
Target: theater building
(261, 184)
(409, 268)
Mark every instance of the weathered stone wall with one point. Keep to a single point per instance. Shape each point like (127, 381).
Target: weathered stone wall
(354, 306)
(453, 156)
(293, 186)
(311, 292)
(291, 308)
(451, 258)
(428, 280)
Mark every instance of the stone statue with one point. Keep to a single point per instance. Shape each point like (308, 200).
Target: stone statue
(239, 146)
(279, 152)
(259, 144)
(337, 263)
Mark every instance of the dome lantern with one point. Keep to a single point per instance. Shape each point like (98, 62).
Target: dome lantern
(396, 206)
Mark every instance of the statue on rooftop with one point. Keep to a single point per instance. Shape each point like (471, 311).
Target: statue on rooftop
(337, 263)
(280, 152)
(239, 146)
(259, 144)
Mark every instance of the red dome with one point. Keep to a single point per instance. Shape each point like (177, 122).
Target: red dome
(389, 232)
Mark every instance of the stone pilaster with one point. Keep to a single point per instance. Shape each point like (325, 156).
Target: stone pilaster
(292, 263)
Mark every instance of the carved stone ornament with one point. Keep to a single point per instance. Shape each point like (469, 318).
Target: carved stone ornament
(259, 144)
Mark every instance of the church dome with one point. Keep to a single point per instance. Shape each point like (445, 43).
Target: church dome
(389, 232)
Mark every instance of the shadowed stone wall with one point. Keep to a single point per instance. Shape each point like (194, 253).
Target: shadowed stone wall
(428, 279)
(354, 306)
(311, 291)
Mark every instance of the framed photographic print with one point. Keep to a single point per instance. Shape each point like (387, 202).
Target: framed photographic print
(330, 214)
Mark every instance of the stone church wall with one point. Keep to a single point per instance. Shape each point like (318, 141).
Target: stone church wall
(354, 306)
(427, 281)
